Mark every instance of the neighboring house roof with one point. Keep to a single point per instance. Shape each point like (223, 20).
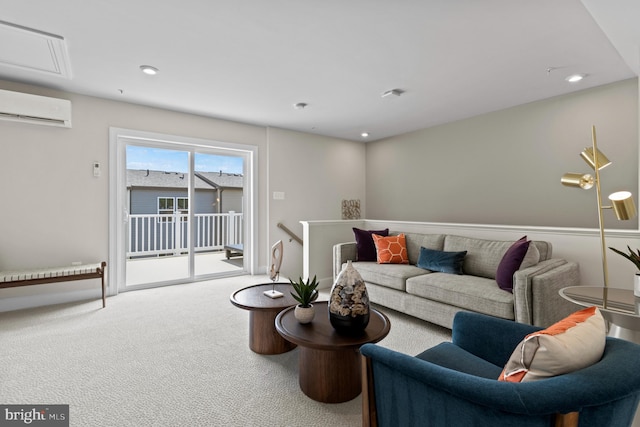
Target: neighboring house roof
(224, 180)
(160, 179)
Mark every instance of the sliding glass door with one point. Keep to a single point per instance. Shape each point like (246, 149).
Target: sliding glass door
(218, 214)
(180, 211)
(158, 226)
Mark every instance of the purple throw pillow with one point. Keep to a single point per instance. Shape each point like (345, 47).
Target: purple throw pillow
(366, 249)
(510, 263)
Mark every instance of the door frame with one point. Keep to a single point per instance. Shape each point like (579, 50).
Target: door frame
(118, 140)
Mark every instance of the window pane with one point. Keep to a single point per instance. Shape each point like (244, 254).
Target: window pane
(165, 203)
(183, 204)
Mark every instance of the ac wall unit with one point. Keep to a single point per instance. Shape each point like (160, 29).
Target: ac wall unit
(27, 108)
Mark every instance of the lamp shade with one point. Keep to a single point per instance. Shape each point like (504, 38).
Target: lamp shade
(589, 157)
(622, 204)
(584, 181)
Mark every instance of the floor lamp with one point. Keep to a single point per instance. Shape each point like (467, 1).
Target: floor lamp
(621, 201)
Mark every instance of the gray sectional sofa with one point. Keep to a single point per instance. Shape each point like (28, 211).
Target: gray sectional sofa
(436, 297)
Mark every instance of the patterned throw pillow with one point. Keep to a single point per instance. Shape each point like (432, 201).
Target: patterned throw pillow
(573, 343)
(391, 249)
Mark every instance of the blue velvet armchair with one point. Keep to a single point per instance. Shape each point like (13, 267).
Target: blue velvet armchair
(455, 384)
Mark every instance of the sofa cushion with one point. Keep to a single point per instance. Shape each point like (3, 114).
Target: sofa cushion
(444, 262)
(391, 249)
(415, 241)
(511, 262)
(483, 256)
(545, 249)
(573, 343)
(392, 276)
(366, 249)
(469, 292)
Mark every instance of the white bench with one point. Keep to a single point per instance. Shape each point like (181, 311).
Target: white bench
(40, 276)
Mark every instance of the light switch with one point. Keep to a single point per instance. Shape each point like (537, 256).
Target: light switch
(278, 195)
(96, 169)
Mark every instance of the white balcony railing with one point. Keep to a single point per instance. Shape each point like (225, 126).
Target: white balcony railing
(168, 234)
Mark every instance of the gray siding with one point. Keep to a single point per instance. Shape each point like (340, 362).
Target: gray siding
(232, 200)
(145, 200)
(205, 200)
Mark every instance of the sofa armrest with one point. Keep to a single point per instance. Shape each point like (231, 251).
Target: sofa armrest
(342, 252)
(476, 334)
(537, 300)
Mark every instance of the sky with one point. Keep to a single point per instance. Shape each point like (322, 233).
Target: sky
(177, 161)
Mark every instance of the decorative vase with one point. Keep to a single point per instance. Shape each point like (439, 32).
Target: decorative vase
(304, 314)
(349, 302)
(636, 284)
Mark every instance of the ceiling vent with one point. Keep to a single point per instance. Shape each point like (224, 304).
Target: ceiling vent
(42, 110)
(33, 51)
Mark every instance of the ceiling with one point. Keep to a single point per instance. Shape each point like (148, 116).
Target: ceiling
(252, 60)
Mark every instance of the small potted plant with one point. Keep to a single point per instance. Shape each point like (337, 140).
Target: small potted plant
(634, 257)
(305, 293)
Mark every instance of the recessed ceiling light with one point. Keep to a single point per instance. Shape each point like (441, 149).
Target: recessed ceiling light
(148, 69)
(365, 134)
(574, 78)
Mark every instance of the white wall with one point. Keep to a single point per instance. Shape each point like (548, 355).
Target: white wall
(505, 167)
(55, 212)
(315, 174)
(497, 176)
(425, 176)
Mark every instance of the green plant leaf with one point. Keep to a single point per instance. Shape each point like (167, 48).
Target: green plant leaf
(304, 292)
(633, 256)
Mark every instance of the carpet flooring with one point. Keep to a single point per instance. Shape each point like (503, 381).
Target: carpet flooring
(170, 356)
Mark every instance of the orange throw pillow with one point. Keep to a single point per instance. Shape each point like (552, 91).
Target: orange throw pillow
(391, 249)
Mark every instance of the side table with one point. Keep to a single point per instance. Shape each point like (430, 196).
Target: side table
(618, 306)
(330, 367)
(263, 338)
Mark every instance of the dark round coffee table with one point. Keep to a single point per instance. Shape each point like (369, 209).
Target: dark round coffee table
(263, 338)
(330, 363)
